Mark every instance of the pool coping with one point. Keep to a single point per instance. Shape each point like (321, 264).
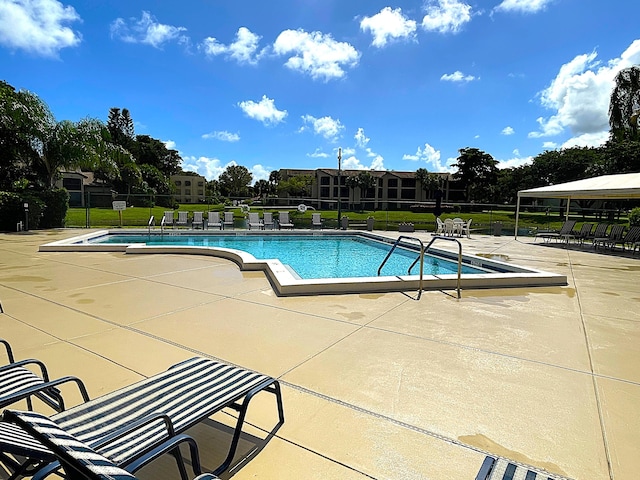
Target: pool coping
(287, 284)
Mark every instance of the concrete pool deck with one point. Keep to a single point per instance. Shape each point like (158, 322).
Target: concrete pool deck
(375, 385)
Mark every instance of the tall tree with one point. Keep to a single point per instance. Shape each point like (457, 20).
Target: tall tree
(352, 182)
(624, 106)
(235, 181)
(429, 182)
(478, 173)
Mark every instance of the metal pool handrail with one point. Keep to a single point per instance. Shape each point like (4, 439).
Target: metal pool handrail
(449, 239)
(420, 258)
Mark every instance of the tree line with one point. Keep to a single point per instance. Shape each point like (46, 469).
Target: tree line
(35, 149)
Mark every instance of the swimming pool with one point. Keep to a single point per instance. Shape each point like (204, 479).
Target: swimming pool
(311, 263)
(311, 256)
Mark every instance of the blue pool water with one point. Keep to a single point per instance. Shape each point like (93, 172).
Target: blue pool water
(311, 256)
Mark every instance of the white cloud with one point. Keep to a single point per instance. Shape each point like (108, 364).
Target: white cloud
(587, 140)
(223, 136)
(210, 168)
(361, 138)
(244, 49)
(579, 96)
(388, 25)
(38, 26)
(353, 163)
(508, 131)
(316, 54)
(328, 127)
(264, 111)
(522, 6)
(170, 144)
(147, 30)
(516, 161)
(457, 77)
(430, 156)
(445, 16)
(549, 145)
(318, 154)
(259, 172)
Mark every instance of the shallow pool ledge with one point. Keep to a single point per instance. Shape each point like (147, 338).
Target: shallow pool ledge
(285, 283)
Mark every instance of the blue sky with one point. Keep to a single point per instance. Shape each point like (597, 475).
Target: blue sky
(282, 84)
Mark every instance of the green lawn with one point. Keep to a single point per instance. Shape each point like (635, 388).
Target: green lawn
(384, 220)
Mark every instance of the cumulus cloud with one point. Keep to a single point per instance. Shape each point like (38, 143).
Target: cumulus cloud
(38, 26)
(361, 138)
(446, 16)
(316, 54)
(223, 136)
(579, 97)
(388, 25)
(431, 157)
(147, 30)
(353, 163)
(508, 131)
(457, 77)
(259, 172)
(210, 168)
(170, 144)
(328, 127)
(522, 6)
(264, 111)
(243, 50)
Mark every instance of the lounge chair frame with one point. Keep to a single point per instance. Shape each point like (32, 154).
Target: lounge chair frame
(186, 394)
(81, 462)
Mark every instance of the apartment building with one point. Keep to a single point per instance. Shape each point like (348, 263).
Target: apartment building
(189, 188)
(392, 190)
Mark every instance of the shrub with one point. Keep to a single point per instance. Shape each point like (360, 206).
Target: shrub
(634, 216)
(12, 210)
(56, 204)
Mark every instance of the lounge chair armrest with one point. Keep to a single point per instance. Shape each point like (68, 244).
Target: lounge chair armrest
(8, 348)
(50, 385)
(138, 425)
(167, 446)
(28, 361)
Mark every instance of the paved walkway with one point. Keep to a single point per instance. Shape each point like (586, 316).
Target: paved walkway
(375, 386)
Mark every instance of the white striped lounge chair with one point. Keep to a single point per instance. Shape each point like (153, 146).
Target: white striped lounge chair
(17, 382)
(185, 394)
(81, 462)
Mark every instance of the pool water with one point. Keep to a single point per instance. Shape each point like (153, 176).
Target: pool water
(312, 256)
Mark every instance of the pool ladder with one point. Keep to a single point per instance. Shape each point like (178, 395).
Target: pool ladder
(420, 259)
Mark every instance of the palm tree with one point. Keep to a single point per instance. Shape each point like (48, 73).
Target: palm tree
(352, 182)
(365, 182)
(624, 106)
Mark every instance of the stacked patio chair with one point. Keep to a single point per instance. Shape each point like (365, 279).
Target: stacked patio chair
(198, 220)
(254, 221)
(128, 424)
(183, 220)
(228, 220)
(316, 220)
(599, 232)
(213, 220)
(17, 382)
(284, 221)
(267, 220)
(80, 461)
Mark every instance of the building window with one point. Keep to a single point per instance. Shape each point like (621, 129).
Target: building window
(178, 183)
(409, 182)
(187, 183)
(392, 193)
(408, 194)
(187, 191)
(324, 192)
(325, 180)
(392, 182)
(72, 183)
(201, 183)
